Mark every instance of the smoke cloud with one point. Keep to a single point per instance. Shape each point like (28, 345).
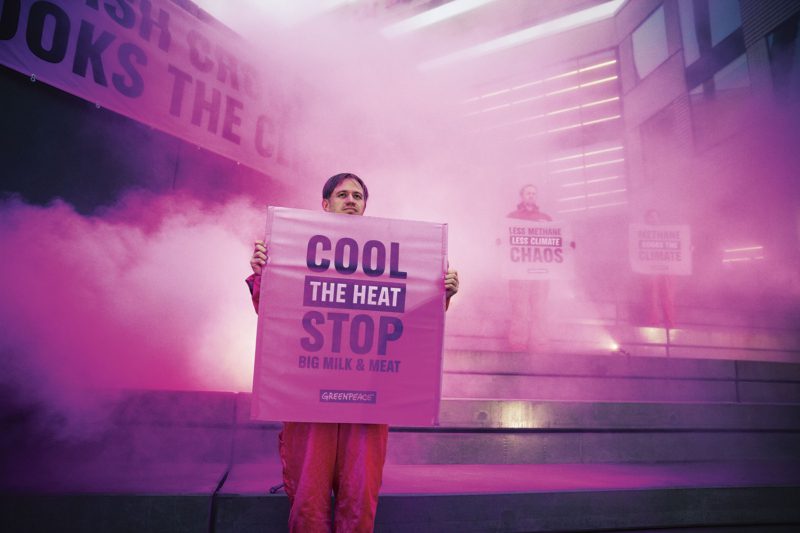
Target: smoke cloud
(149, 292)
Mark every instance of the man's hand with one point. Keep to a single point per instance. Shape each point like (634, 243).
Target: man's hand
(451, 282)
(259, 258)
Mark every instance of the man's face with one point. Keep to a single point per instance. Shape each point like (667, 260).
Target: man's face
(529, 196)
(347, 198)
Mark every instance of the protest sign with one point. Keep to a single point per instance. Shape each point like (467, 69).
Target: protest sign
(351, 320)
(536, 250)
(660, 249)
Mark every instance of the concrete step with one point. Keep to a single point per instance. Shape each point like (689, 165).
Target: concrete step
(595, 332)
(553, 497)
(609, 416)
(190, 461)
(184, 428)
(616, 378)
(440, 498)
(528, 432)
(113, 512)
(582, 446)
(467, 414)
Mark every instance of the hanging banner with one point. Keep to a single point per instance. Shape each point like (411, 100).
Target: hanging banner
(351, 320)
(537, 250)
(151, 61)
(658, 249)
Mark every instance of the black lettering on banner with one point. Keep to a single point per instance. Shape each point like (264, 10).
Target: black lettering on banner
(202, 105)
(91, 51)
(127, 52)
(227, 66)
(336, 335)
(389, 329)
(146, 26)
(386, 334)
(380, 261)
(349, 246)
(315, 343)
(123, 14)
(394, 262)
(231, 119)
(265, 129)
(250, 81)
(198, 45)
(40, 12)
(181, 79)
(352, 263)
(311, 253)
(369, 333)
(226, 63)
(9, 19)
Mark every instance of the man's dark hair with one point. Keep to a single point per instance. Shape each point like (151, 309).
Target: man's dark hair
(334, 182)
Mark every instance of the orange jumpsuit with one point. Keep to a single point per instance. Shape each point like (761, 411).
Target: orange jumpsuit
(659, 295)
(320, 458)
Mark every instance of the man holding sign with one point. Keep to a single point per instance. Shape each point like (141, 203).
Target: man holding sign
(344, 458)
(528, 297)
(658, 253)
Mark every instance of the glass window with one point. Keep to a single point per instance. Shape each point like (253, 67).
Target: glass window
(725, 18)
(650, 43)
(661, 138)
(691, 50)
(705, 24)
(783, 44)
(717, 101)
(735, 75)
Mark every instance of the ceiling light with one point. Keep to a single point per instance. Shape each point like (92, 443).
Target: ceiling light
(432, 16)
(545, 29)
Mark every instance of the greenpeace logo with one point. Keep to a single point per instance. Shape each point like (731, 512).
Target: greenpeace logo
(348, 396)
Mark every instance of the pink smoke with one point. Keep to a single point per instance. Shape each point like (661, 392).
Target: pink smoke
(151, 295)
